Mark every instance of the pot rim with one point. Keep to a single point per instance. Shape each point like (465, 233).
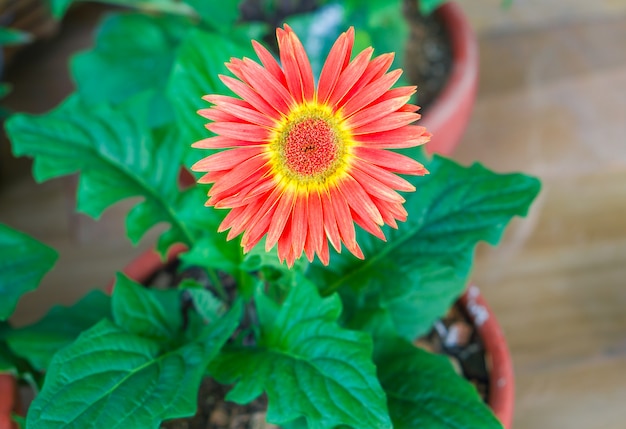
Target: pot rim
(449, 113)
(8, 400)
(498, 356)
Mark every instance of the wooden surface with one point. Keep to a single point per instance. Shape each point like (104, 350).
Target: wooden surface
(552, 103)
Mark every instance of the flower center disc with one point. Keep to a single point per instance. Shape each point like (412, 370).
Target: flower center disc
(310, 147)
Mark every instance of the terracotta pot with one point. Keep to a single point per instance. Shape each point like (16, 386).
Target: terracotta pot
(8, 400)
(501, 386)
(501, 377)
(448, 115)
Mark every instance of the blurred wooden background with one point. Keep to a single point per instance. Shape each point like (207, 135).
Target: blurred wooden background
(551, 103)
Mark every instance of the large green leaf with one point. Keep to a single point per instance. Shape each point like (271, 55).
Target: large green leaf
(133, 53)
(307, 364)
(424, 391)
(424, 265)
(23, 263)
(114, 377)
(118, 157)
(39, 342)
(195, 74)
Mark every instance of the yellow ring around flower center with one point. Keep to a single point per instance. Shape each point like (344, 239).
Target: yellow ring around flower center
(310, 147)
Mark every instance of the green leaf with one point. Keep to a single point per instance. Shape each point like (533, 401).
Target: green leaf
(428, 257)
(208, 307)
(195, 73)
(19, 420)
(133, 53)
(219, 14)
(112, 378)
(427, 7)
(214, 252)
(118, 157)
(405, 306)
(39, 342)
(308, 366)
(23, 263)
(11, 36)
(150, 313)
(8, 360)
(59, 7)
(424, 391)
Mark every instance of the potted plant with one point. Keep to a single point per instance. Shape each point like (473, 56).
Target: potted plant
(293, 163)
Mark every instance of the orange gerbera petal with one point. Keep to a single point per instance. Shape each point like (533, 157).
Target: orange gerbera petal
(300, 165)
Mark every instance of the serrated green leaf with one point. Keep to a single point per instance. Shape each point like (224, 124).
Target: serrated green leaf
(39, 342)
(308, 366)
(133, 53)
(195, 73)
(424, 391)
(150, 313)
(429, 256)
(118, 157)
(23, 263)
(112, 378)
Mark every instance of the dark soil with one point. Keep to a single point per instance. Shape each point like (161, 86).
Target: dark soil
(215, 413)
(428, 54)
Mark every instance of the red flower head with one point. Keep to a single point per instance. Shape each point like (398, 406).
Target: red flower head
(303, 164)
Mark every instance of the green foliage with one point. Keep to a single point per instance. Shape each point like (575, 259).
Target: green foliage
(425, 392)
(429, 257)
(326, 373)
(116, 162)
(133, 372)
(154, 314)
(23, 263)
(133, 53)
(39, 342)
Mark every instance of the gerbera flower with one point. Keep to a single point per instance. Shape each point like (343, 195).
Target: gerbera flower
(302, 163)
